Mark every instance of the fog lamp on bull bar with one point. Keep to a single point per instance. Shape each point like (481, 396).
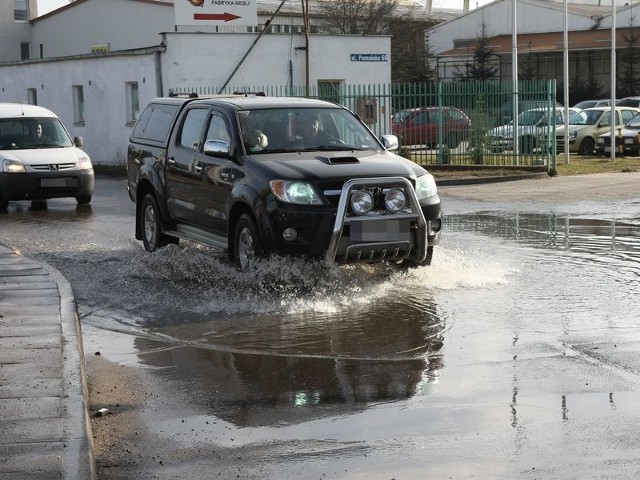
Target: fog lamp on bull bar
(361, 202)
(395, 200)
(289, 234)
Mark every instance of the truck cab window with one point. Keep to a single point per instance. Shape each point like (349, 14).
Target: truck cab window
(192, 128)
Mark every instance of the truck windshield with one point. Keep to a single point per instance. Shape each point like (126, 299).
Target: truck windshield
(26, 133)
(275, 130)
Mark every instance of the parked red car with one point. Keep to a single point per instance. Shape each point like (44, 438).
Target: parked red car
(422, 127)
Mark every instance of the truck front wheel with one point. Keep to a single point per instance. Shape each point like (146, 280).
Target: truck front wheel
(152, 236)
(246, 242)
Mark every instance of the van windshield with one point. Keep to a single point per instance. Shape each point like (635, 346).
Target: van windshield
(27, 133)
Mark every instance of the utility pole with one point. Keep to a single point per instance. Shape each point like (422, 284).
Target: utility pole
(305, 16)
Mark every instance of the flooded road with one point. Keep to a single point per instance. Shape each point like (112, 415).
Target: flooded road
(515, 355)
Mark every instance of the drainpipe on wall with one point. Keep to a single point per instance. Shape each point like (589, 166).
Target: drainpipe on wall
(158, 67)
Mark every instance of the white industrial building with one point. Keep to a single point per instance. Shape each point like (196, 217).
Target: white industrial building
(540, 37)
(115, 55)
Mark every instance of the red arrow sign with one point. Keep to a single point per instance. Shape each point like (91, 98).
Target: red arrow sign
(215, 16)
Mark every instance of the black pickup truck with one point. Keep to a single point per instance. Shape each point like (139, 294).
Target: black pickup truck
(257, 175)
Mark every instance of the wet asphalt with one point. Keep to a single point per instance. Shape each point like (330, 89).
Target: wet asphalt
(45, 431)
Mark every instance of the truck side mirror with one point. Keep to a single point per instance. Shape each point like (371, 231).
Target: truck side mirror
(217, 148)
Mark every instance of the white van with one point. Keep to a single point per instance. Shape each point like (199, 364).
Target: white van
(38, 158)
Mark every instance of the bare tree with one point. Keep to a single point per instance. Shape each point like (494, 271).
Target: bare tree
(360, 17)
(410, 51)
(411, 54)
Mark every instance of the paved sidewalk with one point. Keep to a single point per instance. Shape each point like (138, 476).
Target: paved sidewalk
(45, 432)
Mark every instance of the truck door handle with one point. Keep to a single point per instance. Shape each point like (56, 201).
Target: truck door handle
(171, 160)
(198, 167)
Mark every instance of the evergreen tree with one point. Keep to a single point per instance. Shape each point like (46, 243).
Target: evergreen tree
(628, 83)
(480, 68)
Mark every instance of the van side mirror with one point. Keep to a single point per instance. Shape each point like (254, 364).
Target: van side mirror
(78, 142)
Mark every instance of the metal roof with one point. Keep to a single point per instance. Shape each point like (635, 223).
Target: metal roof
(547, 42)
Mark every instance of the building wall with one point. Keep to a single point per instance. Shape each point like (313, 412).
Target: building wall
(533, 16)
(120, 24)
(190, 60)
(103, 78)
(12, 32)
(203, 60)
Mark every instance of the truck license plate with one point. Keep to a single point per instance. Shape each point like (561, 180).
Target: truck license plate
(380, 231)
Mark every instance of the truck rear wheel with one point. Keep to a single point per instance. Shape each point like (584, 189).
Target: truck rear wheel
(246, 242)
(152, 236)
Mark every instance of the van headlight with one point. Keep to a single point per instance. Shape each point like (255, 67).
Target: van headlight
(426, 186)
(13, 166)
(85, 163)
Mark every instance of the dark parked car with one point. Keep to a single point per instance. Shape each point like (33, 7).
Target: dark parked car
(428, 125)
(254, 175)
(627, 141)
(629, 102)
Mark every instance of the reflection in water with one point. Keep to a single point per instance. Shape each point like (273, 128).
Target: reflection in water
(615, 238)
(281, 370)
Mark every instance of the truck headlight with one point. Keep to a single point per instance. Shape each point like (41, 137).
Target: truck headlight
(12, 166)
(426, 186)
(297, 192)
(395, 200)
(361, 201)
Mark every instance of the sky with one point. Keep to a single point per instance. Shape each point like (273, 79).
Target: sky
(45, 6)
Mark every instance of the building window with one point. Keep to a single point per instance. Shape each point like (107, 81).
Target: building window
(32, 96)
(21, 10)
(133, 102)
(78, 105)
(25, 51)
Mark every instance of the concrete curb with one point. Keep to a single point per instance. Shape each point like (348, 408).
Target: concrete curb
(79, 462)
(488, 179)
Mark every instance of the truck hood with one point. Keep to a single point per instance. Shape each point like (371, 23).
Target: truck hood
(35, 156)
(343, 164)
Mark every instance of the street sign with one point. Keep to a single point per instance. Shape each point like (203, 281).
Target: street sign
(216, 12)
(369, 57)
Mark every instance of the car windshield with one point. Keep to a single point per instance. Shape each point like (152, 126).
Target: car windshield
(634, 122)
(401, 115)
(29, 132)
(530, 117)
(278, 130)
(585, 117)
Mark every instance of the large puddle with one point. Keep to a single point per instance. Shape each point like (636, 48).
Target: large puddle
(518, 343)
